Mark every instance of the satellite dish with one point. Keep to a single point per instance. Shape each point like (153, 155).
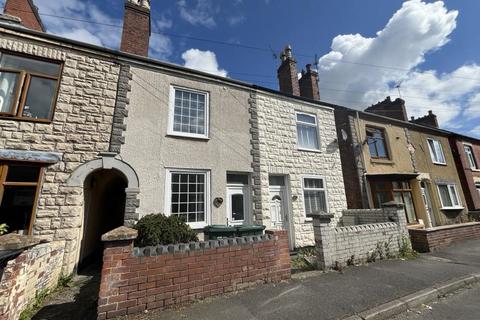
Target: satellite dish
(344, 135)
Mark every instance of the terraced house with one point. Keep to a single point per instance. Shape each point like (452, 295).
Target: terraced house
(385, 157)
(115, 135)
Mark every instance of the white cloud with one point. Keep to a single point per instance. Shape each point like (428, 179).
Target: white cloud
(415, 30)
(233, 21)
(202, 14)
(205, 61)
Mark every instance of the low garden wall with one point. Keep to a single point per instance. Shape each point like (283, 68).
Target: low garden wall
(353, 217)
(338, 246)
(138, 279)
(431, 239)
(33, 267)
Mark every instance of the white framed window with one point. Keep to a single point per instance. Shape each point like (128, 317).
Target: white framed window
(188, 116)
(470, 156)
(436, 151)
(187, 195)
(449, 196)
(307, 131)
(314, 194)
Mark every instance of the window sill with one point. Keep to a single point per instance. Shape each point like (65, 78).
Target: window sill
(197, 226)
(475, 170)
(381, 161)
(452, 208)
(186, 136)
(440, 163)
(309, 150)
(25, 119)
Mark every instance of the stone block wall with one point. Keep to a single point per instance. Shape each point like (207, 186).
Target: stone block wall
(427, 240)
(357, 243)
(80, 130)
(365, 216)
(139, 279)
(36, 269)
(274, 149)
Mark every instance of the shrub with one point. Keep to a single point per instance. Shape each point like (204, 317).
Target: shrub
(3, 228)
(157, 229)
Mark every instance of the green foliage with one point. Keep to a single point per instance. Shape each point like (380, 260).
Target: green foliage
(405, 249)
(40, 298)
(65, 281)
(303, 260)
(3, 228)
(157, 229)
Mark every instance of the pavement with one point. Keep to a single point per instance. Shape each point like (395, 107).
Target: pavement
(334, 295)
(463, 304)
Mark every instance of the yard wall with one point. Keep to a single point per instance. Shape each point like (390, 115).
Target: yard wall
(139, 279)
(427, 240)
(34, 270)
(358, 243)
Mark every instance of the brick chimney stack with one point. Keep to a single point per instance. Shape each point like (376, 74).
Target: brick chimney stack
(430, 120)
(287, 73)
(136, 27)
(26, 11)
(388, 108)
(309, 84)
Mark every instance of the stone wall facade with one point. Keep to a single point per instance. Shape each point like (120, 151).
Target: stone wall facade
(138, 279)
(275, 152)
(80, 130)
(34, 270)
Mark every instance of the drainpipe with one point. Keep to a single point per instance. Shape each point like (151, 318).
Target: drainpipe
(363, 161)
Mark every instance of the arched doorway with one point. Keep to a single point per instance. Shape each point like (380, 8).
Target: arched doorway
(110, 188)
(104, 192)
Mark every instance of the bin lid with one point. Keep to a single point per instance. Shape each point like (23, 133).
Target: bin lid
(219, 228)
(252, 227)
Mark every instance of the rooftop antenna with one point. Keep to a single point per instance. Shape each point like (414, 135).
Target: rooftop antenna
(398, 86)
(275, 56)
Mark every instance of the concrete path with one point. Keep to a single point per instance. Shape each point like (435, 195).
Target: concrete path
(333, 295)
(464, 304)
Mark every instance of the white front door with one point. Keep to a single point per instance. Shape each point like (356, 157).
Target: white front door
(238, 208)
(278, 212)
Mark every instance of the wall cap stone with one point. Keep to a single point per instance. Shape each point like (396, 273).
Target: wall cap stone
(13, 241)
(120, 234)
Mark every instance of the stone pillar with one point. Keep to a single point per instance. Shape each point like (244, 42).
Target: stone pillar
(118, 245)
(324, 239)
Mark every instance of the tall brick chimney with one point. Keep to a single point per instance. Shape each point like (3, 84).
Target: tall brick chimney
(136, 27)
(388, 108)
(430, 120)
(287, 73)
(26, 11)
(309, 84)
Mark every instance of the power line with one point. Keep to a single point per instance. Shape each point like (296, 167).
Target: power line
(248, 47)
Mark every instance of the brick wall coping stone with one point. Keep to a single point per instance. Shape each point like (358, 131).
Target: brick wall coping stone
(13, 241)
(201, 245)
(353, 211)
(447, 227)
(120, 234)
(362, 227)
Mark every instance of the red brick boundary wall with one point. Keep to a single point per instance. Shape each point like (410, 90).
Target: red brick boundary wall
(138, 279)
(427, 240)
(34, 267)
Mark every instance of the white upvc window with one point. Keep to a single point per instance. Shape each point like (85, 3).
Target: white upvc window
(188, 114)
(187, 195)
(307, 131)
(470, 156)
(314, 194)
(449, 196)
(436, 151)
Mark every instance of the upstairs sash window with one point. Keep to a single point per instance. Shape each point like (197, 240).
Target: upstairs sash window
(307, 132)
(436, 151)
(28, 87)
(376, 143)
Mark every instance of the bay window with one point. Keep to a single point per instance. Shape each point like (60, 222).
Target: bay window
(28, 87)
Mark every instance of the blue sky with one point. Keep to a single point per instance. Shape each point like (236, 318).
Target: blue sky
(364, 47)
